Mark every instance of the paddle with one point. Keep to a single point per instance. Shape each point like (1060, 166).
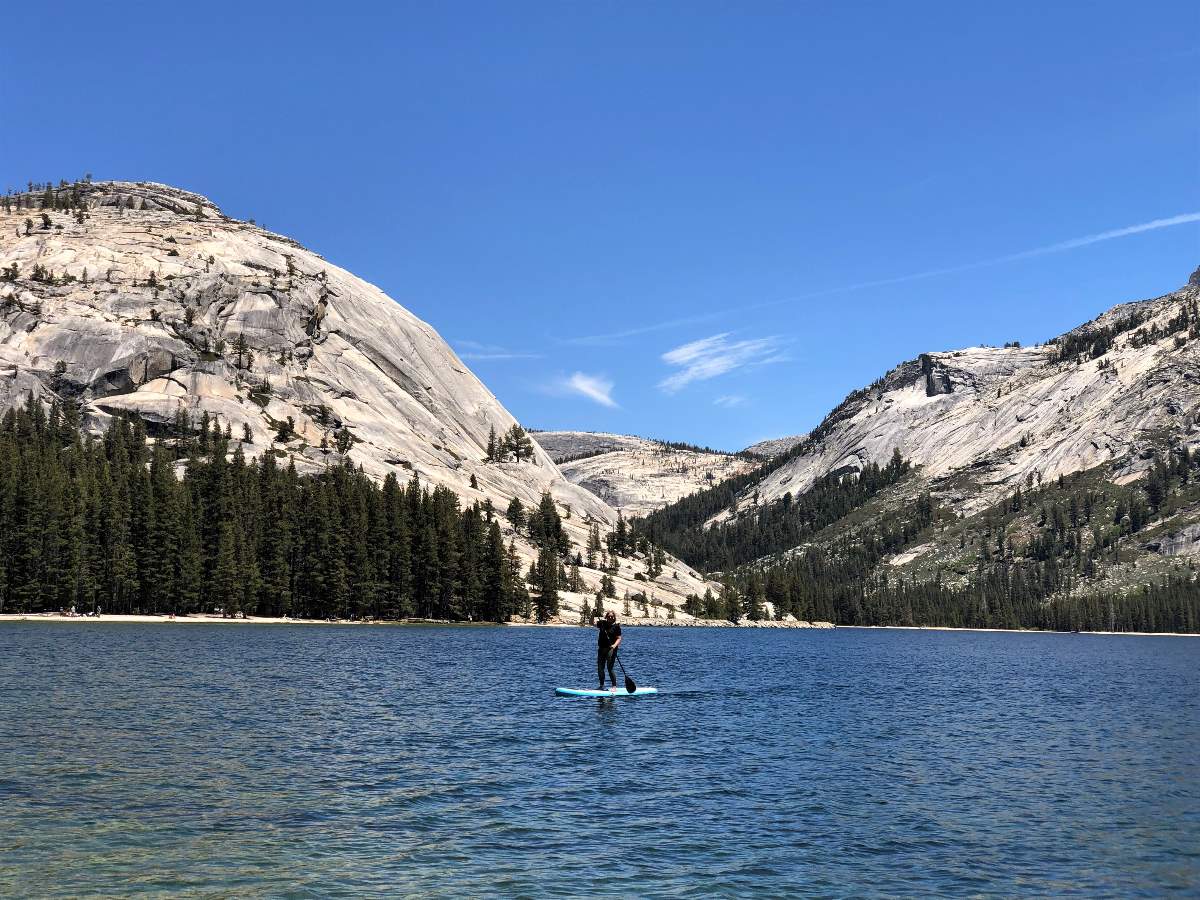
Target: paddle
(630, 686)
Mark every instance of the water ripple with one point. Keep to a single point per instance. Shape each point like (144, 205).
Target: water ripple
(335, 762)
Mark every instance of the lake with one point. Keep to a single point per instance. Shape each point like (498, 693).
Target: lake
(325, 761)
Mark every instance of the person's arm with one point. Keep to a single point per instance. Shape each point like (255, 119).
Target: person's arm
(617, 642)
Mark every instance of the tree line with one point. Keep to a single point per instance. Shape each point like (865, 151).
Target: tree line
(1035, 560)
(1093, 342)
(123, 525)
(773, 528)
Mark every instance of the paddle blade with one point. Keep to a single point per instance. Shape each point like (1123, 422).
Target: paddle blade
(629, 685)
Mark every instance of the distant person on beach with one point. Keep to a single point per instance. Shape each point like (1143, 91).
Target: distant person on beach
(606, 649)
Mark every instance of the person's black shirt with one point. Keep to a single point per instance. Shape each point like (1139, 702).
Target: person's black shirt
(609, 632)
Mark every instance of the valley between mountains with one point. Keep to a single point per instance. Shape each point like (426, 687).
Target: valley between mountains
(1052, 486)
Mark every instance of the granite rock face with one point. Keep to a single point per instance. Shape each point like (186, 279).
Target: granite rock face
(635, 475)
(1184, 542)
(151, 301)
(775, 446)
(981, 420)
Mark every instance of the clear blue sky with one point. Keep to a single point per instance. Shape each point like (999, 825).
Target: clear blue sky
(703, 183)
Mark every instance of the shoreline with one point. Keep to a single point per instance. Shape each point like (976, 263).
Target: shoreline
(1185, 634)
(637, 622)
(198, 619)
(632, 622)
(211, 619)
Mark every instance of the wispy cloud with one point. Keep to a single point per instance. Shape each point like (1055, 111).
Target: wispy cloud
(713, 356)
(594, 387)
(729, 401)
(475, 351)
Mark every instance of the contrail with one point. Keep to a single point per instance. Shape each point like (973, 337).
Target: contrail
(1061, 246)
(1072, 244)
(1183, 219)
(600, 339)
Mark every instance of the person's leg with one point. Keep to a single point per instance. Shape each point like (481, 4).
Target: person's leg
(612, 658)
(600, 654)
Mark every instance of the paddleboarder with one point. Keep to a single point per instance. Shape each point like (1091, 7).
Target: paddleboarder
(606, 648)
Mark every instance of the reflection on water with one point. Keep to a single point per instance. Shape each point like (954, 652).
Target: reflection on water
(326, 761)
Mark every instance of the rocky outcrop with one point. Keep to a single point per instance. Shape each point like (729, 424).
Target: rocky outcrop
(1183, 542)
(937, 377)
(564, 446)
(775, 446)
(634, 475)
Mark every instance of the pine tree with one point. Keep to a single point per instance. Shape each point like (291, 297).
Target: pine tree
(286, 430)
(754, 600)
(224, 590)
(547, 584)
(620, 537)
(497, 580)
(241, 351)
(655, 560)
(545, 526)
(275, 543)
(398, 549)
(517, 443)
(470, 566)
(733, 604)
(516, 513)
(593, 546)
(520, 592)
(607, 587)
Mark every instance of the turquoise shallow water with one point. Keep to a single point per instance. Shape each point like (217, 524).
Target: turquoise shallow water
(191, 760)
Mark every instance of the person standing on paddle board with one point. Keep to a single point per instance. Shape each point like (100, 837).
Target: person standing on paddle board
(606, 649)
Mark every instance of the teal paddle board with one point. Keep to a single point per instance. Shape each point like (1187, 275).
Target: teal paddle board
(616, 692)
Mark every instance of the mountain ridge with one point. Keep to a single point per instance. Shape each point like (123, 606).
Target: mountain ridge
(137, 298)
(1028, 476)
(637, 475)
(1086, 397)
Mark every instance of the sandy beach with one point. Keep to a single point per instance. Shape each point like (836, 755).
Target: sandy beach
(198, 618)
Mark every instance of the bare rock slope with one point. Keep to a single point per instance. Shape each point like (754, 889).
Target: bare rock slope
(982, 420)
(775, 446)
(635, 475)
(149, 300)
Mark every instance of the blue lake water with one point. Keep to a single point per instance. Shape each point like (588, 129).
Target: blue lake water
(194, 760)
